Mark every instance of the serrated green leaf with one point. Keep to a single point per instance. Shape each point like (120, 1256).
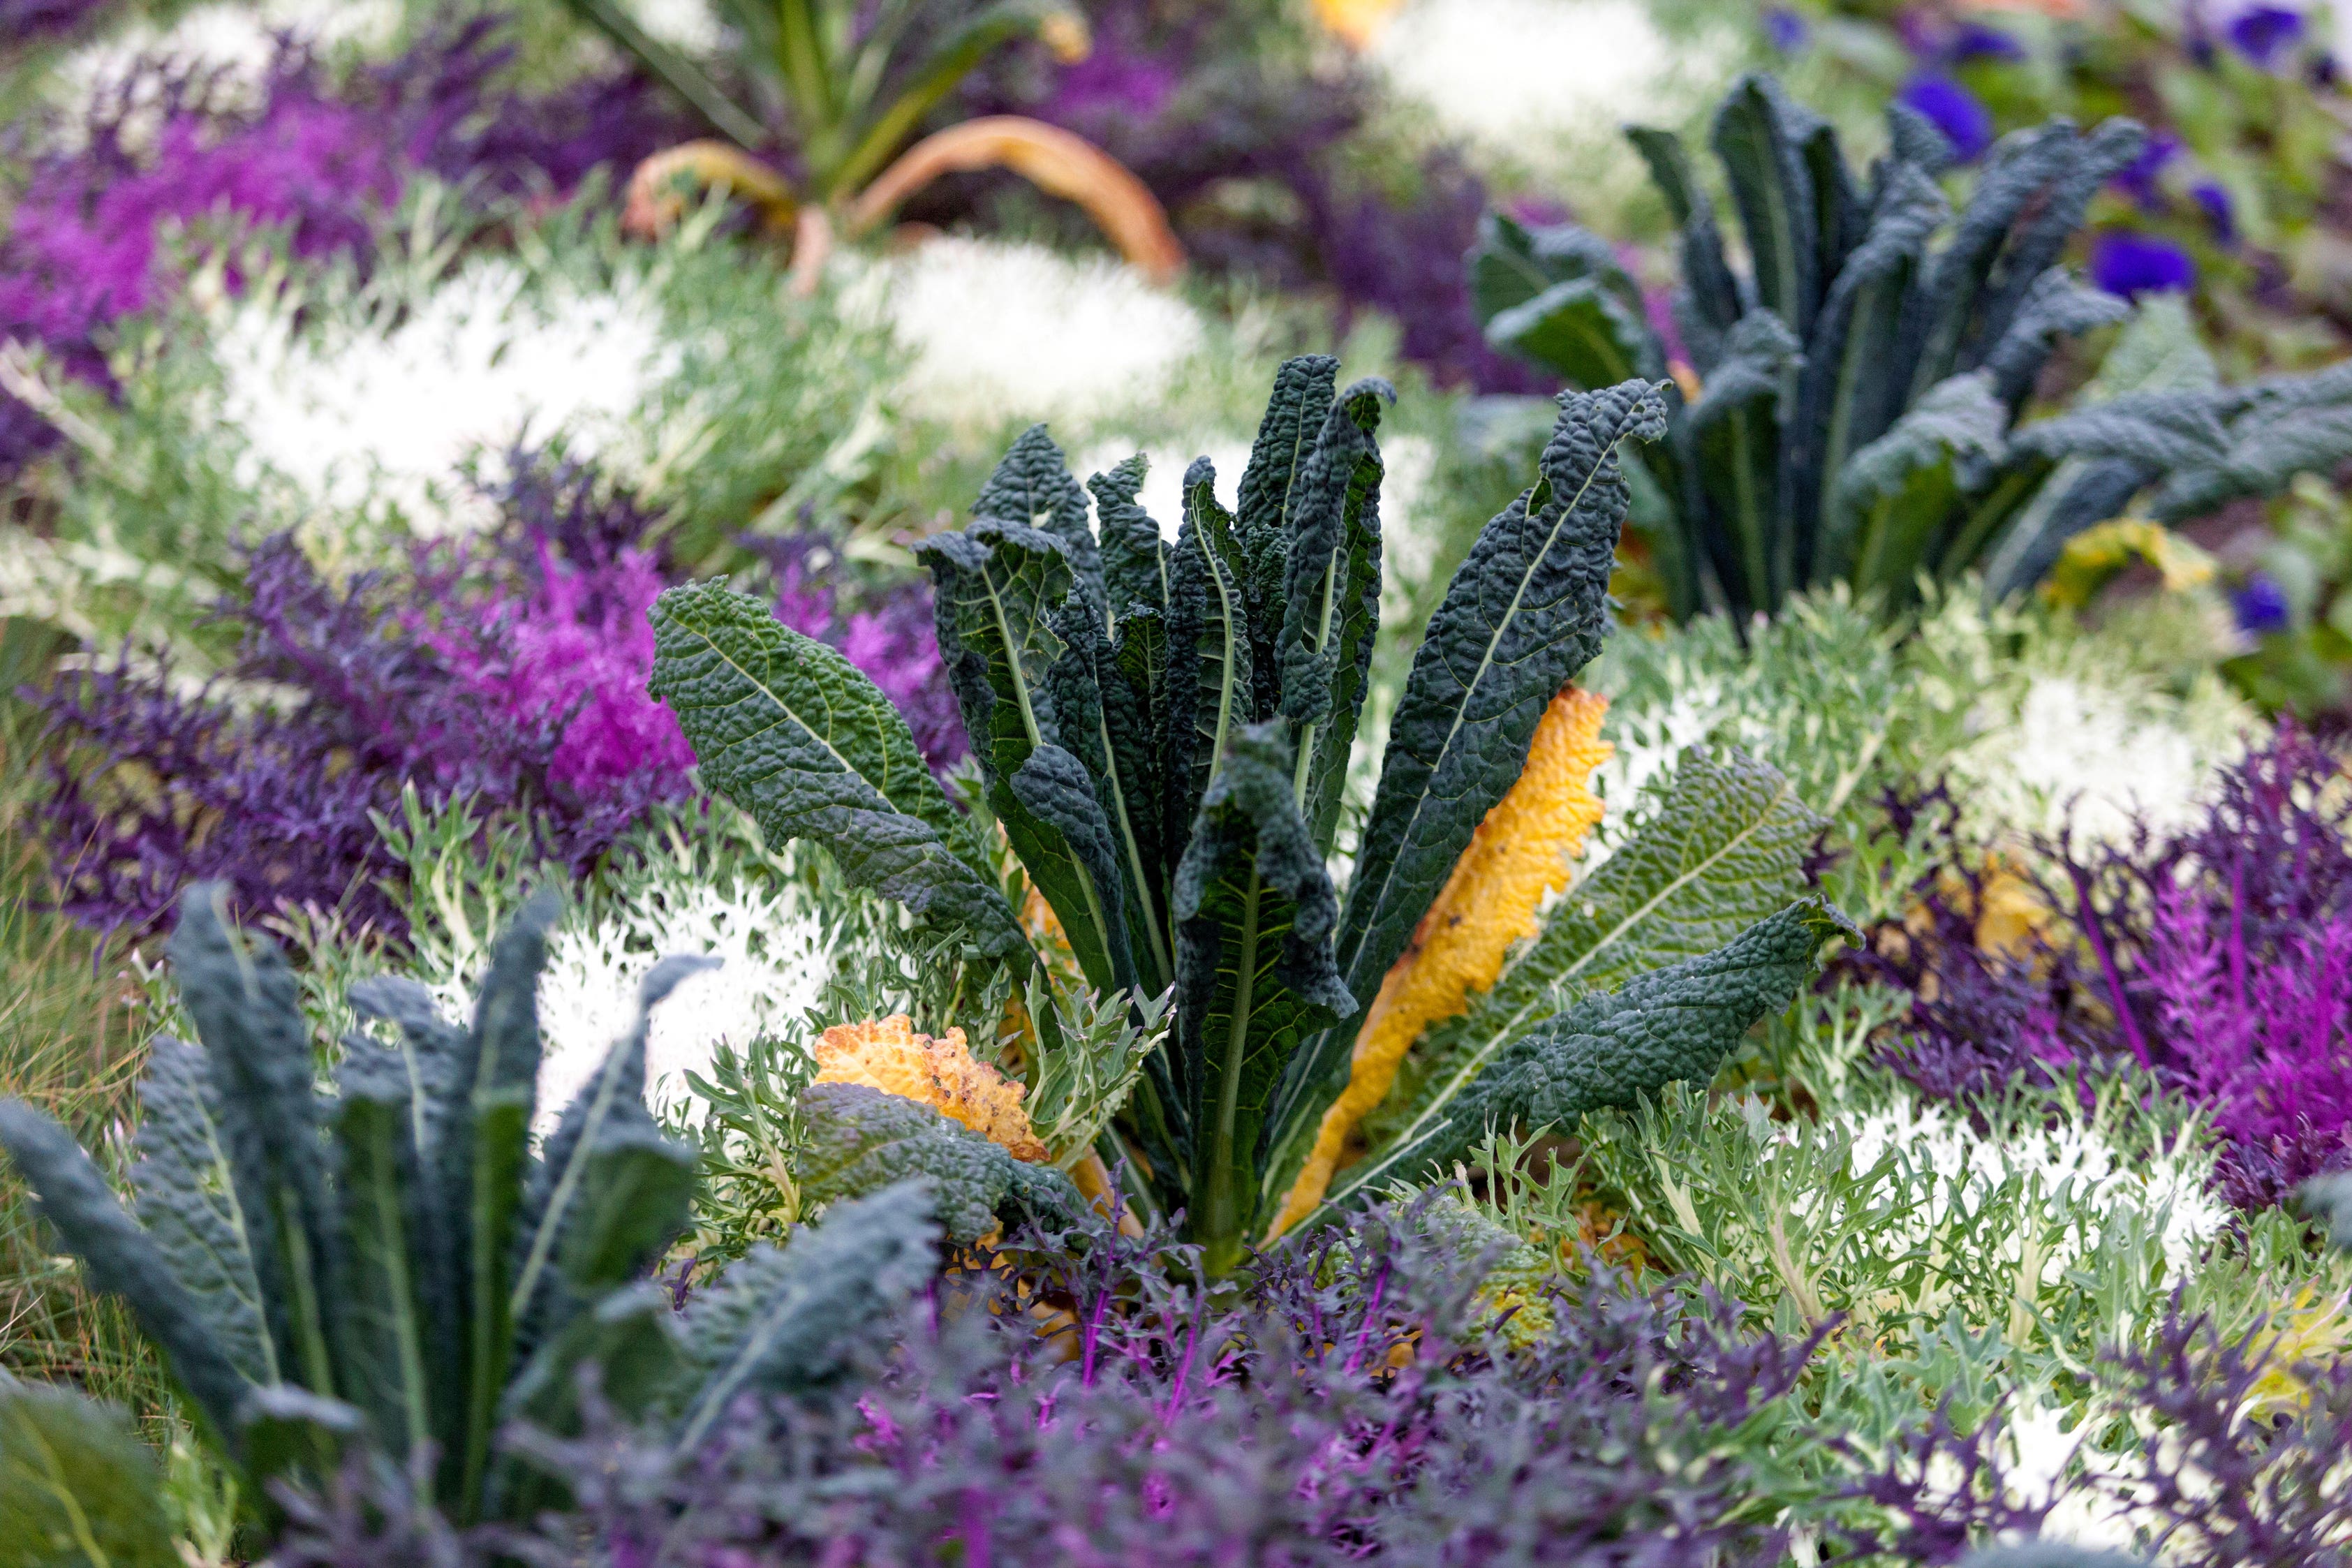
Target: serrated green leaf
(1032, 488)
(792, 731)
(1611, 1049)
(1726, 850)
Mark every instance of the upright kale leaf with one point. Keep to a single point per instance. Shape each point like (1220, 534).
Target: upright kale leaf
(1856, 407)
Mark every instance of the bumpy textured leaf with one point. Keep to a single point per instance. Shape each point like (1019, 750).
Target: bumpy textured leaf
(1758, 133)
(243, 999)
(2048, 223)
(1254, 913)
(1209, 679)
(77, 1488)
(1009, 608)
(1896, 495)
(1523, 853)
(785, 1320)
(1332, 599)
(2277, 429)
(2056, 307)
(1611, 1049)
(1726, 850)
(122, 1260)
(857, 1140)
(1737, 438)
(792, 731)
(1709, 302)
(1032, 488)
(1134, 556)
(1266, 506)
(1524, 613)
(1851, 389)
(1559, 298)
(398, 1369)
(187, 1202)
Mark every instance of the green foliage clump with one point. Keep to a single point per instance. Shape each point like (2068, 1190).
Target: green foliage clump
(1163, 735)
(1856, 408)
(394, 1266)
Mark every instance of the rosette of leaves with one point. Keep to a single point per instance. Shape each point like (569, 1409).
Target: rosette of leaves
(847, 86)
(1851, 407)
(392, 1265)
(1163, 732)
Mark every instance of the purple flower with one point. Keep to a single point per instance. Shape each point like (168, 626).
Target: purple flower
(2220, 215)
(2125, 261)
(1974, 40)
(1953, 110)
(2138, 179)
(1784, 29)
(2262, 33)
(2260, 605)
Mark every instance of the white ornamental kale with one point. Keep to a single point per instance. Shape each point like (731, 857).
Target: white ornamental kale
(1000, 333)
(358, 418)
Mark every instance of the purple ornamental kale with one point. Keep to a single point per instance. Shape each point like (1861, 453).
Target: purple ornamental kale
(2218, 958)
(321, 160)
(515, 680)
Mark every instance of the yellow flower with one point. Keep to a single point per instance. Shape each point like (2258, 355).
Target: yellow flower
(1520, 853)
(1359, 22)
(2308, 1330)
(891, 1057)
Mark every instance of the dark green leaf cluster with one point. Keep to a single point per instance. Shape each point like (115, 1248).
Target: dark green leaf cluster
(856, 1140)
(392, 1265)
(1164, 731)
(1854, 402)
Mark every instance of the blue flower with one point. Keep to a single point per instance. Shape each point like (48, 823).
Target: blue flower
(1979, 41)
(2126, 262)
(2262, 32)
(1784, 29)
(2138, 179)
(2260, 605)
(2221, 215)
(1953, 110)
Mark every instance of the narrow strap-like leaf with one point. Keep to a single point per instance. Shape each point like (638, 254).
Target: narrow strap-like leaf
(1715, 304)
(242, 998)
(1893, 501)
(1755, 136)
(1524, 613)
(1265, 512)
(1209, 682)
(395, 1373)
(1032, 488)
(1254, 913)
(1332, 600)
(123, 1261)
(1134, 555)
(1737, 438)
(1666, 1025)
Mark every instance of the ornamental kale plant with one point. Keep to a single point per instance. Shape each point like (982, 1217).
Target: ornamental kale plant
(394, 1269)
(2218, 957)
(516, 681)
(322, 160)
(1345, 1397)
(1851, 409)
(1162, 735)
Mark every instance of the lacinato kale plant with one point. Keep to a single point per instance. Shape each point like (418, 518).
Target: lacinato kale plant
(1163, 734)
(395, 1269)
(2218, 957)
(1852, 407)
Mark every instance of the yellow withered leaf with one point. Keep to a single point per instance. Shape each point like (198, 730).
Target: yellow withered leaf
(1520, 853)
(891, 1057)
